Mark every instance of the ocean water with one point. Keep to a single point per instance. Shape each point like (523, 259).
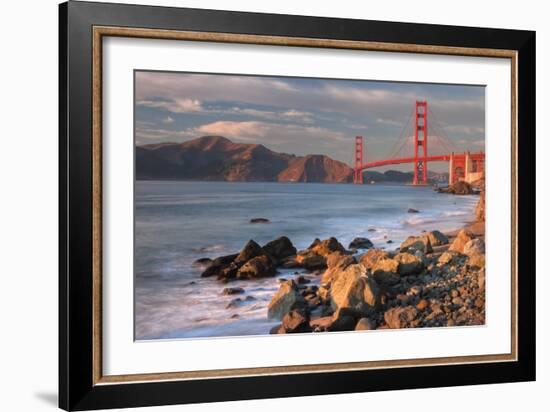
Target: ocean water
(179, 222)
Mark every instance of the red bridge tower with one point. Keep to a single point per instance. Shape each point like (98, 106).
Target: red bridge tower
(358, 172)
(421, 143)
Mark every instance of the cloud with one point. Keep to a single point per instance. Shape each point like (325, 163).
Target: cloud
(146, 135)
(168, 120)
(234, 129)
(177, 105)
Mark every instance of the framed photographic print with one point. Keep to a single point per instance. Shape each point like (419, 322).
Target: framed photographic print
(259, 205)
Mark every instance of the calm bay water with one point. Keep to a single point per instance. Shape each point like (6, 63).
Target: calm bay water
(179, 222)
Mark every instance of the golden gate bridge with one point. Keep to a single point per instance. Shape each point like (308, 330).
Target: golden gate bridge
(465, 166)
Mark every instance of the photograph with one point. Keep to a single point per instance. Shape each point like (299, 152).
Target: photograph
(268, 205)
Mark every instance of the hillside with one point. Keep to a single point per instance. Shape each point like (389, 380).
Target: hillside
(218, 158)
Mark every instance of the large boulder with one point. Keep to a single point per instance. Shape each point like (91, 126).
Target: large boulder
(360, 243)
(353, 289)
(218, 265)
(437, 238)
(414, 243)
(326, 247)
(400, 317)
(372, 256)
(311, 260)
(287, 298)
(386, 271)
(336, 262)
(463, 237)
(474, 246)
(257, 267)
(249, 251)
(280, 248)
(408, 264)
(296, 321)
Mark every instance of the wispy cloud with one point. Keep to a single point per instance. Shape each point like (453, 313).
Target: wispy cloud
(178, 105)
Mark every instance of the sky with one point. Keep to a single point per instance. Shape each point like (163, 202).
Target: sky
(307, 116)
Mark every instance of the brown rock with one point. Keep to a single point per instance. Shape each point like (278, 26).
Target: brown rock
(250, 250)
(463, 237)
(477, 260)
(353, 289)
(437, 238)
(311, 261)
(385, 271)
(257, 267)
(321, 324)
(474, 246)
(336, 262)
(365, 324)
(408, 264)
(288, 297)
(422, 304)
(400, 317)
(370, 258)
(327, 246)
(279, 329)
(232, 291)
(360, 243)
(296, 321)
(218, 265)
(259, 220)
(414, 243)
(447, 257)
(280, 248)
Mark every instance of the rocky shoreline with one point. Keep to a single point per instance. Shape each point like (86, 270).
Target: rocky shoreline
(430, 280)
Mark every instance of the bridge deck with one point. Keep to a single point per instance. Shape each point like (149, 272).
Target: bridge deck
(441, 158)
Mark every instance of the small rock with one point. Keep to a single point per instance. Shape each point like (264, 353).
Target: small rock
(259, 220)
(296, 321)
(422, 304)
(234, 303)
(413, 243)
(400, 317)
(411, 210)
(232, 291)
(365, 324)
(360, 243)
(447, 257)
(301, 280)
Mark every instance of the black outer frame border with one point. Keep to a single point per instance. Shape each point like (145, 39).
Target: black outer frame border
(76, 389)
